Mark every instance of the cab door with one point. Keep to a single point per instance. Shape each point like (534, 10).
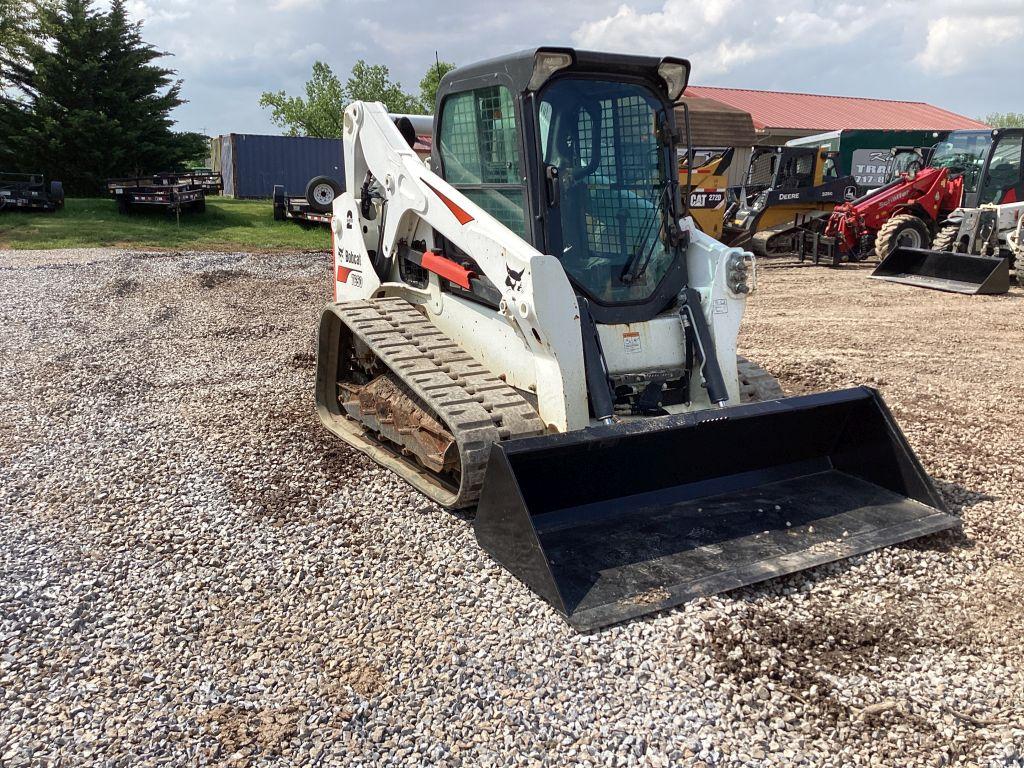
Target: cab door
(1003, 181)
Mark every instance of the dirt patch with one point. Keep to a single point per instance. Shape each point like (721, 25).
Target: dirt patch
(801, 656)
(303, 360)
(124, 287)
(215, 278)
(364, 679)
(250, 732)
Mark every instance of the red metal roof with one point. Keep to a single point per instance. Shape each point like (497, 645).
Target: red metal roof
(807, 111)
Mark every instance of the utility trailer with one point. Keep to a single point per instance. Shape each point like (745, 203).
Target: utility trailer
(174, 192)
(29, 192)
(298, 209)
(210, 181)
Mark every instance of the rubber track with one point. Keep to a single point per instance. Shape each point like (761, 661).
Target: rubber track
(756, 384)
(474, 405)
(759, 242)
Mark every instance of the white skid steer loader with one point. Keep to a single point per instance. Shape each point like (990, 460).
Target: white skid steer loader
(530, 323)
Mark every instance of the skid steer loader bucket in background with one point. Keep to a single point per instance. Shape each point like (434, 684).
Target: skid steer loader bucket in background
(945, 271)
(610, 523)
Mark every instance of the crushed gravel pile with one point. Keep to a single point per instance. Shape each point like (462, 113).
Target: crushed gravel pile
(193, 572)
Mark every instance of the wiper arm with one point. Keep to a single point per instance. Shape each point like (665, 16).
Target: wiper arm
(628, 275)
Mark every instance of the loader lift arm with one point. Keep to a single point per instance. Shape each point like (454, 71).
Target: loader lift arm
(535, 294)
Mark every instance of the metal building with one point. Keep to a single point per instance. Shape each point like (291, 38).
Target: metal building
(780, 116)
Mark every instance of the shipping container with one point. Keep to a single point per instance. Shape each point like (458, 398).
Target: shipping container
(252, 164)
(865, 154)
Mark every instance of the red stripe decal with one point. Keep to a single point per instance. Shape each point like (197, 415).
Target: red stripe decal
(461, 215)
(446, 268)
(1010, 196)
(343, 273)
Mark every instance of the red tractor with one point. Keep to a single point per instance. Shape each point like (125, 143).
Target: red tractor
(966, 169)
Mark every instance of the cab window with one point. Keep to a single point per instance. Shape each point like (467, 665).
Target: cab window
(479, 145)
(1004, 170)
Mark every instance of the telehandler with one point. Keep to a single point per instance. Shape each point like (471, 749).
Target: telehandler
(533, 325)
(966, 170)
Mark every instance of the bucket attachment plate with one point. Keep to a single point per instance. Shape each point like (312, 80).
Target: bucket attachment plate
(945, 271)
(610, 523)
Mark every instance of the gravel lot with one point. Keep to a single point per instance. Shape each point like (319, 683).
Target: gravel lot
(192, 572)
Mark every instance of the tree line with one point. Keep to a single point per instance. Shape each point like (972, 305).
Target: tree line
(319, 112)
(1004, 119)
(82, 97)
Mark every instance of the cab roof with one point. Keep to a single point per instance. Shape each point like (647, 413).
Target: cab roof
(514, 70)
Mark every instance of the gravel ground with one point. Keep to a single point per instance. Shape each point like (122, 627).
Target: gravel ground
(192, 572)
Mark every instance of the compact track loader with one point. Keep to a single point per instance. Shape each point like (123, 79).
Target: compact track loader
(787, 191)
(708, 185)
(533, 325)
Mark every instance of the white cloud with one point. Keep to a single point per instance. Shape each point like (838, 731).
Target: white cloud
(944, 51)
(956, 43)
(719, 35)
(294, 5)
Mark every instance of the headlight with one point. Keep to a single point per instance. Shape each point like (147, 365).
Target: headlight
(675, 73)
(545, 64)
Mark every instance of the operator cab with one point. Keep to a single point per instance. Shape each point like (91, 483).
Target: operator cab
(575, 151)
(988, 161)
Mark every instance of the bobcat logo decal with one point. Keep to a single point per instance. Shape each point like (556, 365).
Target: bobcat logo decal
(514, 279)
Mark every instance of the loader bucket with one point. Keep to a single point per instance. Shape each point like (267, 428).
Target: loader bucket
(610, 523)
(945, 271)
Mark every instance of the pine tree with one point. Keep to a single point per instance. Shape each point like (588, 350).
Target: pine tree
(98, 106)
(141, 94)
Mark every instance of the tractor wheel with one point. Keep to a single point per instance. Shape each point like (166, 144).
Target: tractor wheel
(945, 239)
(320, 193)
(902, 231)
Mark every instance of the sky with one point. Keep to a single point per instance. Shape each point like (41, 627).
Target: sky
(945, 52)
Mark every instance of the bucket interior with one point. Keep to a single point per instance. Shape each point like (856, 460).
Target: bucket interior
(945, 271)
(628, 520)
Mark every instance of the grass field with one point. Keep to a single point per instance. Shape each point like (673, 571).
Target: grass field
(226, 225)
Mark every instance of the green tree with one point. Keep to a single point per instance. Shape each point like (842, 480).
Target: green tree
(373, 83)
(1004, 119)
(19, 25)
(195, 149)
(319, 113)
(429, 84)
(96, 104)
(142, 94)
